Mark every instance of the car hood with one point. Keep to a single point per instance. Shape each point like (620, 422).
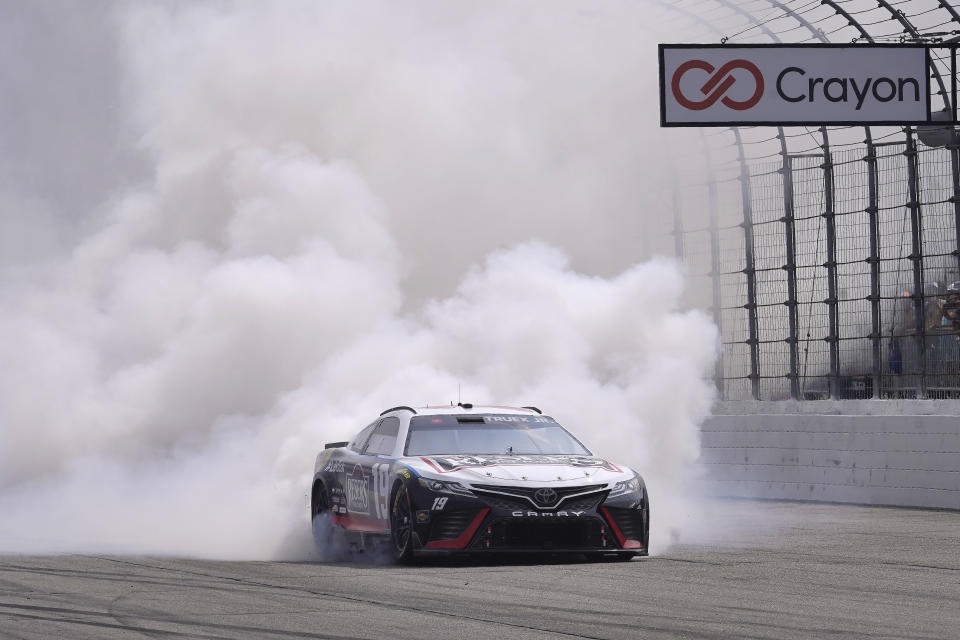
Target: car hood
(519, 469)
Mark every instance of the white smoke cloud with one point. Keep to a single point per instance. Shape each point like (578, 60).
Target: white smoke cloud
(354, 206)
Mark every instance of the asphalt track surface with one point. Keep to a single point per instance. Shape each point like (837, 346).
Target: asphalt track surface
(823, 571)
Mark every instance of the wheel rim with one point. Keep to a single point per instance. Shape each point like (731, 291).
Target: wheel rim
(400, 520)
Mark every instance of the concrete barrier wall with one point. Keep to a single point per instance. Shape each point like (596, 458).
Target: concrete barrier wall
(904, 453)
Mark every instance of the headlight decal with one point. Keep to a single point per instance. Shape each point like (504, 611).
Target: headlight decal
(625, 486)
(442, 486)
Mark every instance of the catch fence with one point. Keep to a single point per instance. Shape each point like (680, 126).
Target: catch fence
(841, 286)
(825, 254)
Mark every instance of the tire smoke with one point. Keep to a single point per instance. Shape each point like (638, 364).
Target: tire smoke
(352, 206)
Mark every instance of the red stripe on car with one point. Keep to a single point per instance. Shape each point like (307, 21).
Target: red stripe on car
(464, 538)
(352, 523)
(625, 543)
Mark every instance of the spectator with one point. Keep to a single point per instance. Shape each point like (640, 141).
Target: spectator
(950, 307)
(932, 306)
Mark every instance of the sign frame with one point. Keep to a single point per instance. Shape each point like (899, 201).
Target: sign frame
(819, 45)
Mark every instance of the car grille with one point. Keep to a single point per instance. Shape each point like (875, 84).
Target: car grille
(506, 502)
(449, 525)
(523, 497)
(629, 521)
(532, 535)
(582, 503)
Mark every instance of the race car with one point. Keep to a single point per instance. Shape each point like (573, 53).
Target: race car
(474, 480)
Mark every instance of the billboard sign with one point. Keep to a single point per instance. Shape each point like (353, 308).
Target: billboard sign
(721, 85)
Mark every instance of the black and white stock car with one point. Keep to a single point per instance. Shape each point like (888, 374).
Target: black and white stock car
(467, 479)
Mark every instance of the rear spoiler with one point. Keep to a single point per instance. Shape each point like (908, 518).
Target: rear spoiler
(335, 445)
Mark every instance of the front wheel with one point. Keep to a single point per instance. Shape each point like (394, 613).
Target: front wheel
(401, 525)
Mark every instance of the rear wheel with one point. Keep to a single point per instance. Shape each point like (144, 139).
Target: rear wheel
(401, 525)
(327, 539)
(318, 500)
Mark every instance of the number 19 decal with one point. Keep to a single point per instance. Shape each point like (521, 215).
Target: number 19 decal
(381, 489)
(439, 504)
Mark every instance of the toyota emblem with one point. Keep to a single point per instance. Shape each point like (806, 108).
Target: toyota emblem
(545, 497)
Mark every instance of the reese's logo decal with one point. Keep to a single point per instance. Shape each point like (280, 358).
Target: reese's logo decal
(358, 487)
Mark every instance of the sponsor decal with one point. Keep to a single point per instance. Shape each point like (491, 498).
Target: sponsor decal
(423, 516)
(537, 514)
(446, 464)
(794, 84)
(358, 487)
(404, 473)
(722, 85)
(881, 89)
(717, 84)
(335, 466)
(526, 419)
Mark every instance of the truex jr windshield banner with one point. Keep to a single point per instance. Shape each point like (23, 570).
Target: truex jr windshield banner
(720, 85)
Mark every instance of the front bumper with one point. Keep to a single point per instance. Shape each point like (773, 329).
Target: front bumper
(487, 523)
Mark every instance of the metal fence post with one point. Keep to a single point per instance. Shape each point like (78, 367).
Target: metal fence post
(791, 268)
(916, 257)
(873, 211)
(953, 82)
(748, 269)
(955, 152)
(833, 337)
(955, 167)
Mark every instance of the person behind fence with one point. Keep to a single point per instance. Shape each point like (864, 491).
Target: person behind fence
(902, 324)
(941, 311)
(932, 303)
(949, 306)
(905, 330)
(936, 355)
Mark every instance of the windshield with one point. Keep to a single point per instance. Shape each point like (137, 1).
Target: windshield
(489, 434)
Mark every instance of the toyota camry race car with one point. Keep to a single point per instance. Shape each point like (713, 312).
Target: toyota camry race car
(471, 479)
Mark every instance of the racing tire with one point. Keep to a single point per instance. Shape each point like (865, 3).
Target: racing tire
(401, 525)
(327, 540)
